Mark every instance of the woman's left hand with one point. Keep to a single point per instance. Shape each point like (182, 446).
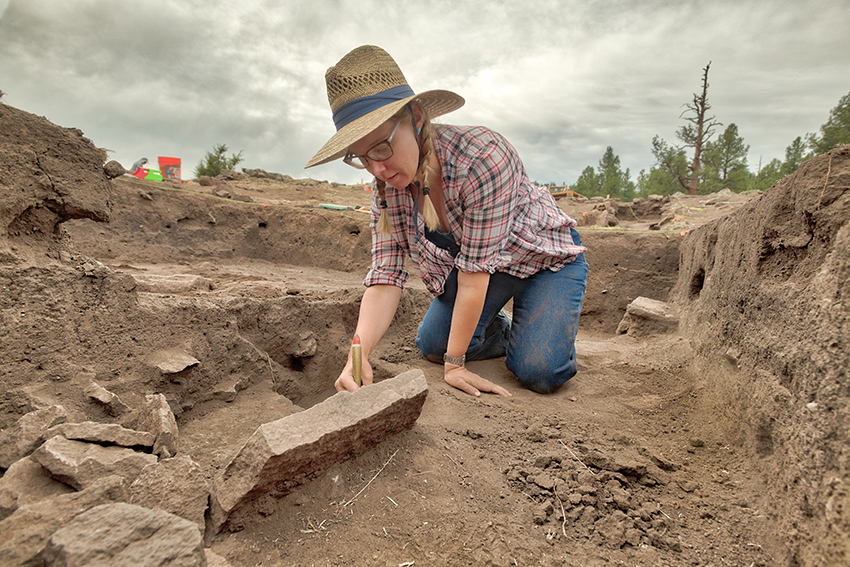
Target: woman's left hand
(461, 378)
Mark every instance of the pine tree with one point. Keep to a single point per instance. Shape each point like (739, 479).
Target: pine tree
(726, 162)
(795, 155)
(216, 161)
(835, 131)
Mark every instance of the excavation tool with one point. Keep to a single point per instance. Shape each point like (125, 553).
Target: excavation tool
(357, 360)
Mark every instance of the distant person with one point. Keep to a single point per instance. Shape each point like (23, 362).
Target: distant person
(138, 165)
(457, 201)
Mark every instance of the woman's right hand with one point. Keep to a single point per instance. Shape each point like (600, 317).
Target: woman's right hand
(346, 378)
(377, 309)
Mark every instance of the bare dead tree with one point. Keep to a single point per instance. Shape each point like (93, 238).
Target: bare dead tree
(696, 134)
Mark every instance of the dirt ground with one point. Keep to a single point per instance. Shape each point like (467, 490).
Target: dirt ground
(627, 464)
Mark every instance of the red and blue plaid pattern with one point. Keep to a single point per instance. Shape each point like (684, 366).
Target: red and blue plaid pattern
(503, 222)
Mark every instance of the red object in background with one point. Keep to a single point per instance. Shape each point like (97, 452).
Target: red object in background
(170, 168)
(141, 173)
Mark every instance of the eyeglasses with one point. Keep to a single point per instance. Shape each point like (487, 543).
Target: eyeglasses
(379, 152)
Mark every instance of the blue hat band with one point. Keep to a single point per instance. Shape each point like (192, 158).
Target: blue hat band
(354, 109)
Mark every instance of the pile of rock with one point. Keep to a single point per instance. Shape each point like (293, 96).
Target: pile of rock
(67, 484)
(598, 497)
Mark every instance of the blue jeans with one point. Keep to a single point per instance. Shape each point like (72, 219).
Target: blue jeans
(539, 344)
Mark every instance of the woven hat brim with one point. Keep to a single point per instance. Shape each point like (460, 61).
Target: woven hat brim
(435, 102)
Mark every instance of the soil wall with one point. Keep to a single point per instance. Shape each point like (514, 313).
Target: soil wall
(764, 295)
(46, 177)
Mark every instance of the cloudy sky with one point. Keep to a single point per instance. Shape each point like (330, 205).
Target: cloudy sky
(562, 79)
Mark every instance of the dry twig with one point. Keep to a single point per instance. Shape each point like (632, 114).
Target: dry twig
(370, 481)
(575, 457)
(563, 516)
(269, 358)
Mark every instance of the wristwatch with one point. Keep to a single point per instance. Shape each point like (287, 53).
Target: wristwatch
(456, 360)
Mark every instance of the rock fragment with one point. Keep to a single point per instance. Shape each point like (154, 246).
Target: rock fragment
(81, 465)
(27, 434)
(171, 361)
(126, 535)
(113, 169)
(27, 482)
(156, 417)
(175, 485)
(306, 345)
(646, 316)
(103, 434)
(27, 530)
(110, 402)
(215, 560)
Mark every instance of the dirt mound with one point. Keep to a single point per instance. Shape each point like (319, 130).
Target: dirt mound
(231, 304)
(49, 175)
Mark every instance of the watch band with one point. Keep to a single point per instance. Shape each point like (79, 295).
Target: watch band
(456, 360)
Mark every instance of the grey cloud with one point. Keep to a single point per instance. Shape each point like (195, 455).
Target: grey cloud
(561, 79)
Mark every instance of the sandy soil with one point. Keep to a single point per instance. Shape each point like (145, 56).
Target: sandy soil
(572, 478)
(625, 465)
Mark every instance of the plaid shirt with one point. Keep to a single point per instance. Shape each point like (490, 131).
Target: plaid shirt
(503, 222)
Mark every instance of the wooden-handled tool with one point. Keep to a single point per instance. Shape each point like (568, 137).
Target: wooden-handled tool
(357, 361)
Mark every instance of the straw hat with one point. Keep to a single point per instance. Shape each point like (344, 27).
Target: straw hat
(365, 89)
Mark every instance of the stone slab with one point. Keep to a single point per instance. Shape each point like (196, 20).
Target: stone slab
(341, 427)
(27, 482)
(645, 316)
(126, 535)
(80, 464)
(21, 439)
(26, 532)
(155, 416)
(103, 434)
(176, 485)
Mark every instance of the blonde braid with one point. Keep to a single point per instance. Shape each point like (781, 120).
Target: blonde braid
(384, 225)
(426, 175)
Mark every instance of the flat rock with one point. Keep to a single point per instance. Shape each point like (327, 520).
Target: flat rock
(103, 434)
(126, 535)
(110, 402)
(27, 482)
(646, 316)
(171, 361)
(339, 428)
(27, 530)
(615, 463)
(21, 439)
(81, 464)
(175, 485)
